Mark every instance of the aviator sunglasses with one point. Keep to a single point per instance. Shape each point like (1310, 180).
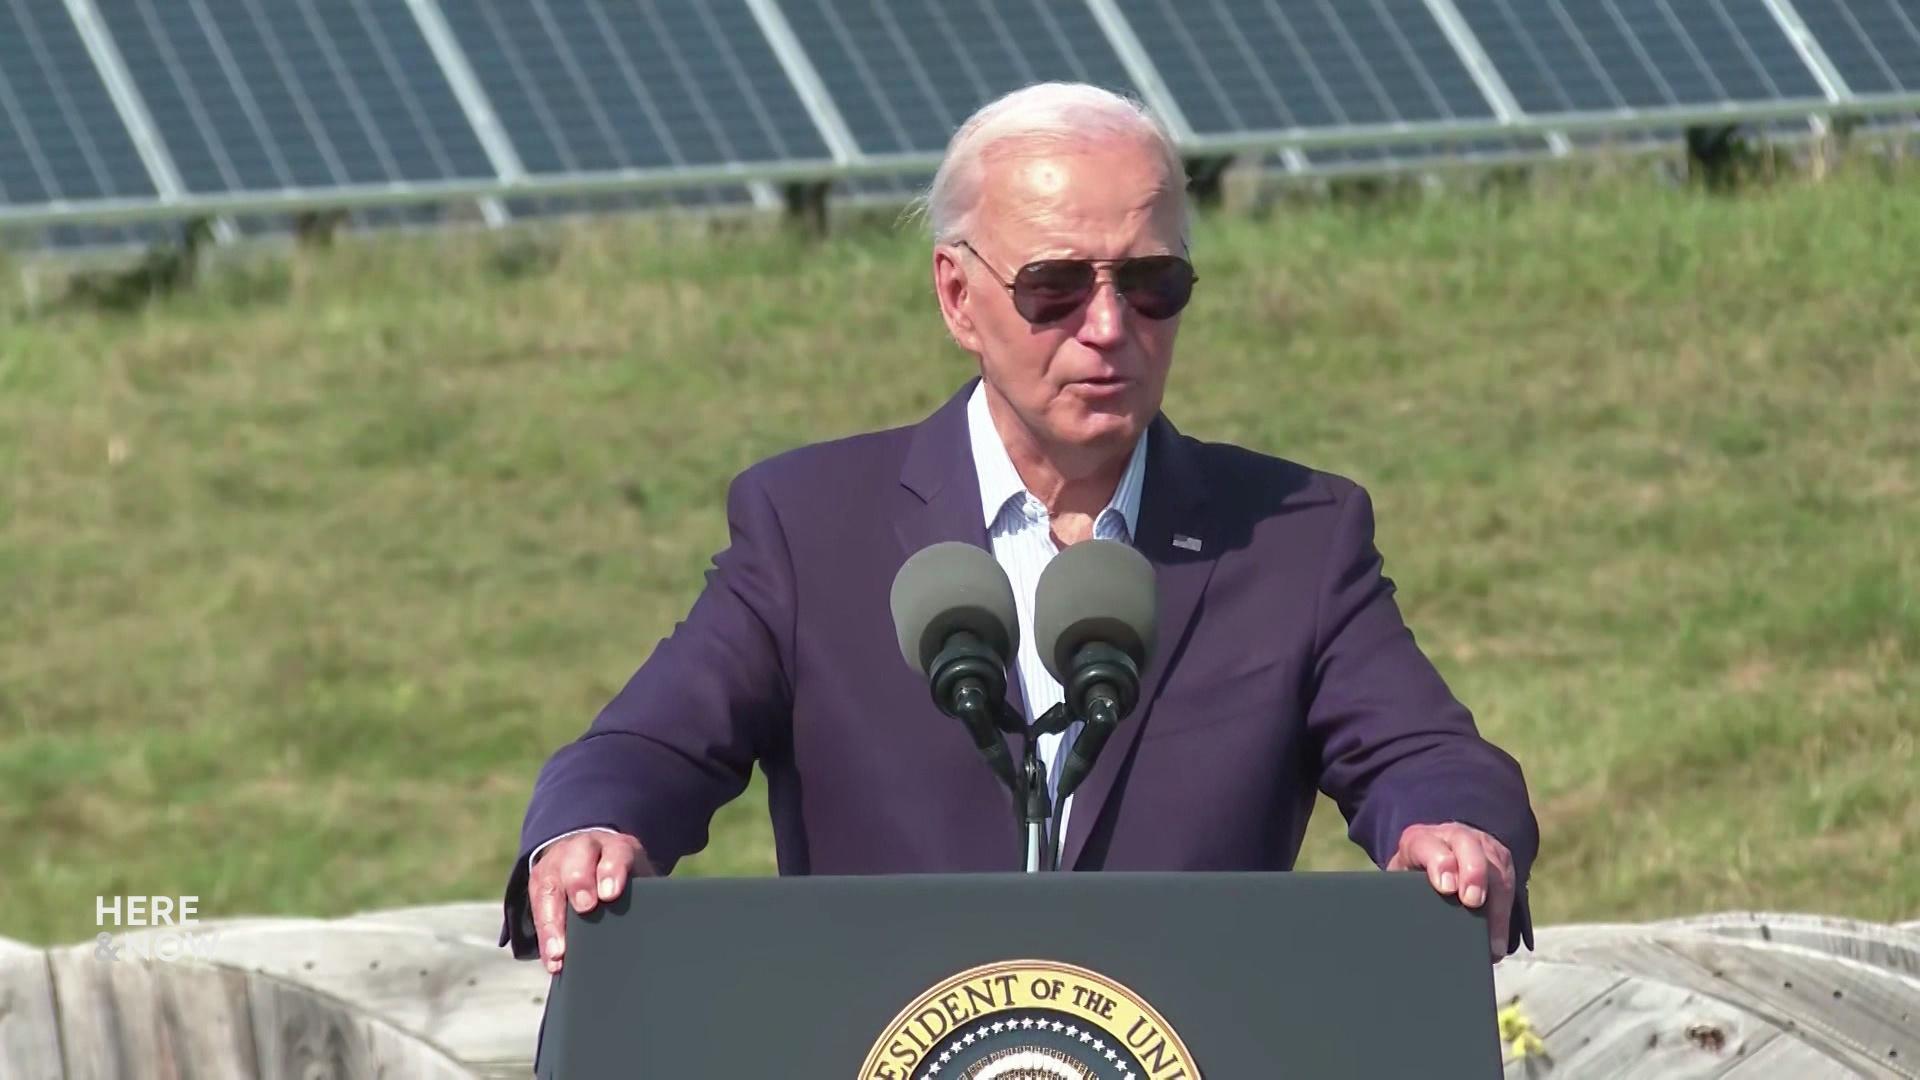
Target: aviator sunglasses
(1156, 286)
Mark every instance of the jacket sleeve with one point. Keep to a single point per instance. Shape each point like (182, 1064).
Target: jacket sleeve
(1396, 748)
(681, 738)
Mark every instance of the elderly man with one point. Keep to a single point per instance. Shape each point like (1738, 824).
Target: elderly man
(1060, 261)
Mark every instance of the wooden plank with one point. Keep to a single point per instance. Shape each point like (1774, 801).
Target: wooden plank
(1882, 946)
(502, 1070)
(131, 1018)
(477, 920)
(1599, 1022)
(473, 999)
(304, 1035)
(1861, 1014)
(29, 1041)
(1645, 1027)
(1548, 992)
(1788, 1057)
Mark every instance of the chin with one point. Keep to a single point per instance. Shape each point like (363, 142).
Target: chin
(1096, 428)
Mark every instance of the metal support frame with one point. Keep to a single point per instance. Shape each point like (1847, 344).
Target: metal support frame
(806, 80)
(474, 104)
(1812, 53)
(1140, 68)
(132, 107)
(1486, 76)
(1146, 75)
(1541, 124)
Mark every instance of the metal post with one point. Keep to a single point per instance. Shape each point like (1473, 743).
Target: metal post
(132, 108)
(1486, 75)
(806, 80)
(474, 103)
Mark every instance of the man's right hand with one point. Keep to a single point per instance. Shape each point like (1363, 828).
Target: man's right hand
(585, 869)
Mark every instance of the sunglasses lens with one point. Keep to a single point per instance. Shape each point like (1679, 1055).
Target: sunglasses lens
(1050, 290)
(1156, 286)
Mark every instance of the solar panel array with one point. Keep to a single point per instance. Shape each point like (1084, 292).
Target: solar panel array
(904, 75)
(588, 86)
(263, 95)
(60, 136)
(130, 110)
(1254, 65)
(1638, 54)
(1874, 44)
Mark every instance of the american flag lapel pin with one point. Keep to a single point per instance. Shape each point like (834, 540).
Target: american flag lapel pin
(1185, 542)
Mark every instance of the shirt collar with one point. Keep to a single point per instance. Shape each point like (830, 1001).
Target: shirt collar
(1000, 482)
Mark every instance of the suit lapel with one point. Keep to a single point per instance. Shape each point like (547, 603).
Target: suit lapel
(944, 504)
(1172, 506)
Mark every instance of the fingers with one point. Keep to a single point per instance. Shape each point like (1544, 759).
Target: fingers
(1500, 894)
(1471, 857)
(1500, 923)
(580, 871)
(578, 857)
(1424, 847)
(616, 861)
(549, 912)
(1464, 861)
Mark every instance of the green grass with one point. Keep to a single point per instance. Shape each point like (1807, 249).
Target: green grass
(303, 575)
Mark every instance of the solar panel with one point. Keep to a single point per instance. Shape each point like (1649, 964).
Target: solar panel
(713, 197)
(1568, 56)
(1240, 65)
(256, 95)
(1428, 155)
(597, 85)
(60, 136)
(1874, 44)
(906, 74)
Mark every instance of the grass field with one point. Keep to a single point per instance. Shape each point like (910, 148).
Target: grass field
(303, 575)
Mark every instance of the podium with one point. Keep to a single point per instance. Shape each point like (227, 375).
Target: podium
(980, 976)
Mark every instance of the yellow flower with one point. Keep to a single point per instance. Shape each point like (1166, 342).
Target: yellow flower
(1517, 1032)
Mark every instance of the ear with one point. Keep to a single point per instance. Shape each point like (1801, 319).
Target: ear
(951, 286)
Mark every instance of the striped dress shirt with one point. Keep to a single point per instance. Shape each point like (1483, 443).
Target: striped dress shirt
(1021, 532)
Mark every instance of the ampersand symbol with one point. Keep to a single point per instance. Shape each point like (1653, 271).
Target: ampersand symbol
(104, 948)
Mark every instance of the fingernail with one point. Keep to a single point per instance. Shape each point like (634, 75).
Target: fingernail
(606, 888)
(1446, 881)
(1472, 896)
(556, 946)
(582, 900)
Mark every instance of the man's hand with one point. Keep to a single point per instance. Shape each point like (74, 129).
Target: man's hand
(1462, 859)
(584, 869)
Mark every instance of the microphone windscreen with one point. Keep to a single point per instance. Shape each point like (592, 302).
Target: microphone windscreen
(949, 587)
(1096, 590)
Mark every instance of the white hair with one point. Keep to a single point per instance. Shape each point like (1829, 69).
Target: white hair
(1044, 114)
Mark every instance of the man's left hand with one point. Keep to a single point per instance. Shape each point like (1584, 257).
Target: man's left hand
(1460, 859)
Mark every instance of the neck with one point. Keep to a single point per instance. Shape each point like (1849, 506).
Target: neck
(1068, 480)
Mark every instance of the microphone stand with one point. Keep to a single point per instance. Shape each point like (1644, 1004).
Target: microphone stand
(1034, 812)
(1036, 803)
(1033, 803)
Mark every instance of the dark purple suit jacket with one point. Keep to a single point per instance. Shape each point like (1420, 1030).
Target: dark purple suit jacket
(1283, 665)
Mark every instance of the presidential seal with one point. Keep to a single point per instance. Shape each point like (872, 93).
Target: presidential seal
(1029, 1020)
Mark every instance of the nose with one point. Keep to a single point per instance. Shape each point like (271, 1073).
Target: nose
(1104, 322)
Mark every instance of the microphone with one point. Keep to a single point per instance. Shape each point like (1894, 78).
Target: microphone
(1094, 617)
(954, 615)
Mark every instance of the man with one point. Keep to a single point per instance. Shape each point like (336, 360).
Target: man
(1060, 225)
